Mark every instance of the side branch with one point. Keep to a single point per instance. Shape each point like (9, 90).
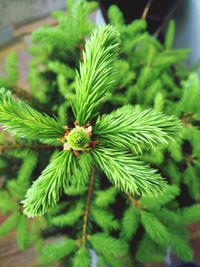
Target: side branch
(87, 207)
(32, 147)
(134, 202)
(146, 9)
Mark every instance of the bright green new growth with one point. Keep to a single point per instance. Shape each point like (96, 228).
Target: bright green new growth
(77, 139)
(57, 177)
(147, 76)
(116, 138)
(23, 121)
(130, 129)
(96, 73)
(129, 174)
(46, 190)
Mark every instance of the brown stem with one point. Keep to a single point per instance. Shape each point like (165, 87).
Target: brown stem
(33, 147)
(87, 207)
(187, 119)
(135, 202)
(146, 9)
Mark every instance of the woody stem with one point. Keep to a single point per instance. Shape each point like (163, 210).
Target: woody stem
(87, 207)
(146, 9)
(135, 202)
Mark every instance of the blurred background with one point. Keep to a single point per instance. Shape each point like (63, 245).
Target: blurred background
(18, 18)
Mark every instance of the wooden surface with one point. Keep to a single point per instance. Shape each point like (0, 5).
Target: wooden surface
(10, 256)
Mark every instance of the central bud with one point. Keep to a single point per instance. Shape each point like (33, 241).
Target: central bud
(78, 139)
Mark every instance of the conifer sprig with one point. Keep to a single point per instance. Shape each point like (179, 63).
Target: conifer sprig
(96, 73)
(127, 173)
(128, 128)
(45, 191)
(63, 170)
(23, 121)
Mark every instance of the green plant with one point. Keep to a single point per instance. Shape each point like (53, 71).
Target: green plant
(108, 142)
(160, 79)
(85, 209)
(26, 233)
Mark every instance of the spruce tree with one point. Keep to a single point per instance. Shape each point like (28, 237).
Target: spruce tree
(110, 144)
(93, 184)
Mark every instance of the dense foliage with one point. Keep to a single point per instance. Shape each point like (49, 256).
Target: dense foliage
(134, 79)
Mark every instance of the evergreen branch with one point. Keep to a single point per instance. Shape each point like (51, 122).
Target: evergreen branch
(82, 258)
(23, 121)
(114, 262)
(58, 250)
(167, 195)
(107, 246)
(170, 57)
(87, 207)
(22, 232)
(127, 173)
(106, 197)
(17, 190)
(180, 246)
(127, 128)
(46, 190)
(12, 68)
(130, 223)
(170, 34)
(168, 217)
(70, 218)
(34, 147)
(9, 224)
(115, 16)
(96, 73)
(149, 251)
(155, 229)
(190, 214)
(104, 219)
(82, 174)
(17, 187)
(27, 167)
(6, 203)
(75, 191)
